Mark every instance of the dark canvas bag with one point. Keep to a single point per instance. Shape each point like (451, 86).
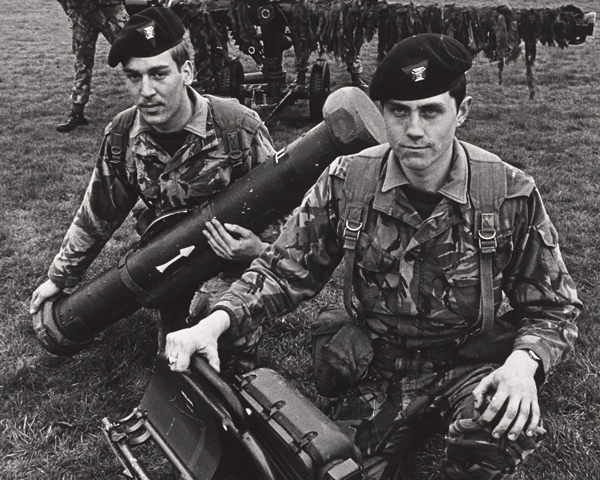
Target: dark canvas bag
(341, 351)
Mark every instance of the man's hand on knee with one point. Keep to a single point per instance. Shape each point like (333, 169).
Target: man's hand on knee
(202, 339)
(513, 401)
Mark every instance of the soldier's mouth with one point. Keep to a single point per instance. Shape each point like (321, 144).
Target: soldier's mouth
(150, 107)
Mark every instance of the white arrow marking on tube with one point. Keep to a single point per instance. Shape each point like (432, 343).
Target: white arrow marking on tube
(184, 252)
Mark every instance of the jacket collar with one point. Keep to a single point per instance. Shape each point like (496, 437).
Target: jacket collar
(456, 185)
(196, 124)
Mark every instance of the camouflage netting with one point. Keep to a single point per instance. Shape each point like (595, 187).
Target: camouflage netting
(340, 27)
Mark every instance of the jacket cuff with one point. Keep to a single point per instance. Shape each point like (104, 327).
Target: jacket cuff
(62, 281)
(233, 330)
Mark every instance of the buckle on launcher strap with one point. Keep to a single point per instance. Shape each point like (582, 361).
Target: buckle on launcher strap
(487, 234)
(350, 228)
(488, 242)
(351, 232)
(234, 146)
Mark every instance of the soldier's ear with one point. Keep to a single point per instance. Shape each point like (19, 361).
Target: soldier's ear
(463, 110)
(187, 70)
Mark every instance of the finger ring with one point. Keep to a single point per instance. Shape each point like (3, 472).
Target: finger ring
(172, 360)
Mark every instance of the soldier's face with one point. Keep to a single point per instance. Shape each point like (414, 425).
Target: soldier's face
(421, 132)
(158, 89)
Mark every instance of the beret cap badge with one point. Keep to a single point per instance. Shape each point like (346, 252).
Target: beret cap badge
(148, 31)
(418, 72)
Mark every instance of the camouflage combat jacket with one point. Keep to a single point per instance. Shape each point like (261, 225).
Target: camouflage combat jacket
(200, 169)
(416, 280)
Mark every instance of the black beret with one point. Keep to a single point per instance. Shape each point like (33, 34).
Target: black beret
(420, 66)
(147, 34)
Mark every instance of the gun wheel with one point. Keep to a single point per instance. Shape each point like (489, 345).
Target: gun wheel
(231, 78)
(319, 89)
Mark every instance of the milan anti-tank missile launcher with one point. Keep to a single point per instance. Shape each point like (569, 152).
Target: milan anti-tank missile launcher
(176, 261)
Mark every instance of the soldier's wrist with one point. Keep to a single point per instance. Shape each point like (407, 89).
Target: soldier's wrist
(219, 321)
(523, 360)
(60, 282)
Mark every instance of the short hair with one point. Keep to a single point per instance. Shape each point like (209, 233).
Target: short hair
(458, 91)
(183, 52)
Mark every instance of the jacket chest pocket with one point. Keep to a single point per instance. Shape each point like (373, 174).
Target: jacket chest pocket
(148, 173)
(206, 175)
(378, 284)
(463, 278)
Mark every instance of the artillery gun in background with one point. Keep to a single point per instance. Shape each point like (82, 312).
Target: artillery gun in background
(264, 29)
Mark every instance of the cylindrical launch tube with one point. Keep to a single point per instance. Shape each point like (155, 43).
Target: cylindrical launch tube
(175, 262)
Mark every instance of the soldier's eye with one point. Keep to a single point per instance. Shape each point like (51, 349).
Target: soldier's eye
(159, 75)
(399, 112)
(431, 112)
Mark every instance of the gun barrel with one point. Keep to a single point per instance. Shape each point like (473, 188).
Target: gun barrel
(179, 259)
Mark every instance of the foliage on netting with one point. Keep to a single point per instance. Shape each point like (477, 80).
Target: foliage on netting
(340, 27)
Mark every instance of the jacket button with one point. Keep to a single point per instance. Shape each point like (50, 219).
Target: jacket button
(409, 257)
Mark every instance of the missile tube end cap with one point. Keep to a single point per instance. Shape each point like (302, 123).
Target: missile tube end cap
(49, 335)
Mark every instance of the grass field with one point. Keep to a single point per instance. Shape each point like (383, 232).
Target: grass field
(51, 407)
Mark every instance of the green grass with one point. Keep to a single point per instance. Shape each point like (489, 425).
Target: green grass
(51, 407)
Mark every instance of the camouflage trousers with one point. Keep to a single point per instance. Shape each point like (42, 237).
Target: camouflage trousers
(387, 411)
(85, 27)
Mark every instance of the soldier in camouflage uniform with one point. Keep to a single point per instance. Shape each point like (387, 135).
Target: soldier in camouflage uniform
(169, 150)
(416, 274)
(88, 19)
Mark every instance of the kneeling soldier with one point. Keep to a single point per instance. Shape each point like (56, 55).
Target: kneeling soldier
(174, 149)
(434, 231)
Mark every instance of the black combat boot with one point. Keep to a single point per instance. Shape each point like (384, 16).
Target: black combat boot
(73, 121)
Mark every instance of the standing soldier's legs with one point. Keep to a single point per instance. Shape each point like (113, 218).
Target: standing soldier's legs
(111, 20)
(84, 48)
(354, 68)
(108, 20)
(302, 55)
(352, 45)
(387, 411)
